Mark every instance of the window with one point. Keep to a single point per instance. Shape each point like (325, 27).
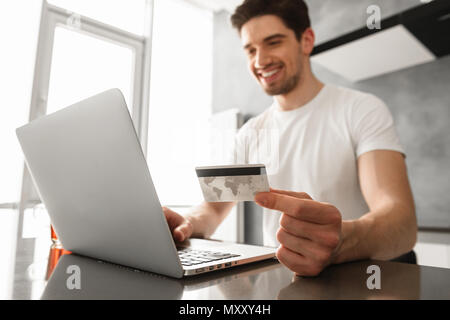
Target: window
(180, 111)
(8, 222)
(180, 98)
(77, 56)
(123, 14)
(16, 65)
(83, 66)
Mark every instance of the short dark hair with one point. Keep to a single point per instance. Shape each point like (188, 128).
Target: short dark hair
(294, 13)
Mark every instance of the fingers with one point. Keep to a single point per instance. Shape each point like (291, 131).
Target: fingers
(182, 232)
(304, 209)
(324, 235)
(173, 218)
(309, 230)
(310, 250)
(296, 262)
(180, 227)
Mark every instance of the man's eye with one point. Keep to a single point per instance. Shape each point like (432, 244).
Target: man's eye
(274, 43)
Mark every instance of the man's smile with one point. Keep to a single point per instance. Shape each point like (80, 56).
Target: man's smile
(268, 76)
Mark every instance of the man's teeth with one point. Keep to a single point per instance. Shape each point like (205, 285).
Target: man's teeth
(268, 74)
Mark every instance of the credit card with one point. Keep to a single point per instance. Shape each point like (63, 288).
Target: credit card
(232, 182)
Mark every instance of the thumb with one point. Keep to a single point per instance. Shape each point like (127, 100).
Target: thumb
(300, 195)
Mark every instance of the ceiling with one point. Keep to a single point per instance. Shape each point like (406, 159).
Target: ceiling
(217, 5)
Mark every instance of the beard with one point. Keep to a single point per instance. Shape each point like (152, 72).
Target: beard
(288, 84)
(285, 87)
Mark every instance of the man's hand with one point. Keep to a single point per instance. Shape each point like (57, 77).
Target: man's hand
(180, 227)
(309, 233)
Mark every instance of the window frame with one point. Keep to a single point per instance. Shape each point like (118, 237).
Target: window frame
(53, 17)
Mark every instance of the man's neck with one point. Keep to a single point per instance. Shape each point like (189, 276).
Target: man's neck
(307, 89)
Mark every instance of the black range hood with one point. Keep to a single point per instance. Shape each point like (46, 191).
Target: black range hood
(418, 35)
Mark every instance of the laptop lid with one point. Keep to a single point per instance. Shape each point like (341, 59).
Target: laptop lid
(91, 173)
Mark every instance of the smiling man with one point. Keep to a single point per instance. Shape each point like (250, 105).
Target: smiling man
(342, 191)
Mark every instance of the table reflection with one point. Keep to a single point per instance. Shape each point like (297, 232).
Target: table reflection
(102, 280)
(262, 280)
(349, 281)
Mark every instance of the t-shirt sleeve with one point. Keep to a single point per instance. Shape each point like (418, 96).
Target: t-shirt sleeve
(373, 127)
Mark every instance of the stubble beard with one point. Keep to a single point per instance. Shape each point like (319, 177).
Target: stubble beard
(289, 84)
(286, 86)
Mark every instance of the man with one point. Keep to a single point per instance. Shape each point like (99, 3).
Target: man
(338, 154)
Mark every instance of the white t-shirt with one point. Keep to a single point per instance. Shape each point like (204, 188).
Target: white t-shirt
(314, 148)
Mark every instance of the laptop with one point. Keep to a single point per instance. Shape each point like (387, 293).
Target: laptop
(89, 170)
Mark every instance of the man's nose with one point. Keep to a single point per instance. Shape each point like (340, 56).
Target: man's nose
(262, 59)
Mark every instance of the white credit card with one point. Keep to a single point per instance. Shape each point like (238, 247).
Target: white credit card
(232, 182)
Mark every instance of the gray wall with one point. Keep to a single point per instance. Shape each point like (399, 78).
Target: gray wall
(418, 97)
(333, 18)
(233, 86)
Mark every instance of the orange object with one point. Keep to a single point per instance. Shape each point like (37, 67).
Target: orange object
(54, 237)
(56, 252)
(53, 258)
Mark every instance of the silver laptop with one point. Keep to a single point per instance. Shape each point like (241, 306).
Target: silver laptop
(90, 172)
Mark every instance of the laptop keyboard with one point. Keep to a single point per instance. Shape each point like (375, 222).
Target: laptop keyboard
(190, 257)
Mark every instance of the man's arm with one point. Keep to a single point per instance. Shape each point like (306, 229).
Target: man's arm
(200, 222)
(389, 229)
(207, 216)
(312, 234)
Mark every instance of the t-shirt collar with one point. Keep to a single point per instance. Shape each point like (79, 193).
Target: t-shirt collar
(300, 110)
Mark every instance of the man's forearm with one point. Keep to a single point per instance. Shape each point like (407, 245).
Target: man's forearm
(206, 217)
(203, 222)
(382, 234)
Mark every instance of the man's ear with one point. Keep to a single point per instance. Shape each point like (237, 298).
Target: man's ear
(307, 42)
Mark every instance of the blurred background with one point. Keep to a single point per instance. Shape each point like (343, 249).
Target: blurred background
(183, 72)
